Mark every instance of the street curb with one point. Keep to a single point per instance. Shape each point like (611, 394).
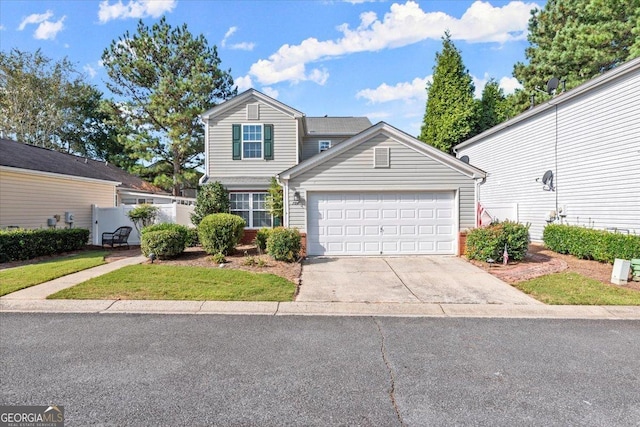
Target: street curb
(322, 309)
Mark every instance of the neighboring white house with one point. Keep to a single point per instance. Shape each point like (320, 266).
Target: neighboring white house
(351, 188)
(588, 138)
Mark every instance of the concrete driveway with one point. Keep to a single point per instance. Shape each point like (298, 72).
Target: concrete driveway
(418, 279)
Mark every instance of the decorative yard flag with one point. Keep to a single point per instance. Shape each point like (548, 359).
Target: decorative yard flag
(482, 216)
(505, 255)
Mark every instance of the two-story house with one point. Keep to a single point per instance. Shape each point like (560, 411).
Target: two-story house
(350, 188)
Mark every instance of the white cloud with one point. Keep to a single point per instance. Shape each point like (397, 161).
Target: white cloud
(2, 27)
(243, 83)
(35, 18)
(48, 30)
(415, 90)
(269, 91)
(134, 9)
(403, 25)
(90, 70)
(236, 46)
(479, 84)
(509, 85)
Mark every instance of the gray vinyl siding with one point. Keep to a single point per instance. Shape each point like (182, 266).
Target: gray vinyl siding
(219, 143)
(598, 159)
(409, 171)
(310, 145)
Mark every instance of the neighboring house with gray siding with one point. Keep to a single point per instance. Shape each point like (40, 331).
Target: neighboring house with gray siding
(588, 137)
(351, 188)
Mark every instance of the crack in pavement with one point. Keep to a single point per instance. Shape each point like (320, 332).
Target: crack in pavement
(401, 281)
(392, 389)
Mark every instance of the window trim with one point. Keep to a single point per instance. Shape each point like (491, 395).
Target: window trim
(242, 125)
(320, 150)
(250, 226)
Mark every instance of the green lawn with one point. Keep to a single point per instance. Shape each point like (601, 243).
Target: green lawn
(160, 282)
(575, 289)
(14, 279)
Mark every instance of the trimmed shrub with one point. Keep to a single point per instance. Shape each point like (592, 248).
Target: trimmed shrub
(284, 244)
(489, 242)
(261, 239)
(211, 198)
(587, 243)
(24, 244)
(192, 237)
(220, 233)
(183, 230)
(143, 215)
(163, 243)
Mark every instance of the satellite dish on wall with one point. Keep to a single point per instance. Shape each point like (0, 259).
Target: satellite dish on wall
(552, 85)
(547, 180)
(465, 159)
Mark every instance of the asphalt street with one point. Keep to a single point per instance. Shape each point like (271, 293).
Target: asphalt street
(122, 370)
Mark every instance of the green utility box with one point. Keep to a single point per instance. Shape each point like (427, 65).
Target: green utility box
(635, 270)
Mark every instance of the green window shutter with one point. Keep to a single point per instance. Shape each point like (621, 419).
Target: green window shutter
(237, 142)
(268, 142)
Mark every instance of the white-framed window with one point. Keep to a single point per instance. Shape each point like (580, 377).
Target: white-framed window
(323, 145)
(252, 141)
(252, 208)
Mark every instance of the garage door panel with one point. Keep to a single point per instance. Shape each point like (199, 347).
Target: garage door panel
(381, 223)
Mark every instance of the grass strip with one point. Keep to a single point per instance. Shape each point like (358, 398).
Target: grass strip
(14, 279)
(575, 289)
(162, 282)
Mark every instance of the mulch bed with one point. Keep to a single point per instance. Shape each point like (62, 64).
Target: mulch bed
(540, 261)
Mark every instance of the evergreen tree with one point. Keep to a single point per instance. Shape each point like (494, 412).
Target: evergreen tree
(492, 107)
(575, 40)
(450, 112)
(166, 77)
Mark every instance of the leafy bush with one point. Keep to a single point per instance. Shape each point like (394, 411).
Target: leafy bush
(142, 216)
(183, 230)
(261, 239)
(218, 258)
(275, 199)
(587, 243)
(284, 244)
(192, 237)
(212, 198)
(489, 242)
(24, 244)
(163, 243)
(220, 233)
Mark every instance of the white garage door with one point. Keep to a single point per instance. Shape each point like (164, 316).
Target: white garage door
(380, 223)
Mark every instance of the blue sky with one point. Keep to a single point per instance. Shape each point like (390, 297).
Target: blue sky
(340, 58)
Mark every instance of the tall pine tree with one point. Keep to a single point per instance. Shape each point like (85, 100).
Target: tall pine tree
(575, 40)
(492, 107)
(450, 112)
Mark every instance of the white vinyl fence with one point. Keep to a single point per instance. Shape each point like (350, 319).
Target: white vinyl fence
(503, 212)
(108, 219)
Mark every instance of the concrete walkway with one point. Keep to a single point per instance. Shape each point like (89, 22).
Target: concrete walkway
(32, 300)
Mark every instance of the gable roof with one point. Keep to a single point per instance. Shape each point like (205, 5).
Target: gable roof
(621, 70)
(29, 157)
(246, 96)
(391, 132)
(321, 126)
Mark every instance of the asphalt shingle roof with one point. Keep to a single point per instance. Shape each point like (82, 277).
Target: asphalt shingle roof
(25, 156)
(336, 125)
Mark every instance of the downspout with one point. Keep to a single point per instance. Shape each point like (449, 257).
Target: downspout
(204, 178)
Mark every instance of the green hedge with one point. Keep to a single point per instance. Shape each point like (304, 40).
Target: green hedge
(284, 244)
(24, 244)
(163, 243)
(587, 243)
(220, 233)
(489, 242)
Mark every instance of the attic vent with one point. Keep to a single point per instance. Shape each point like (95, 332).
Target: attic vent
(253, 111)
(381, 157)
